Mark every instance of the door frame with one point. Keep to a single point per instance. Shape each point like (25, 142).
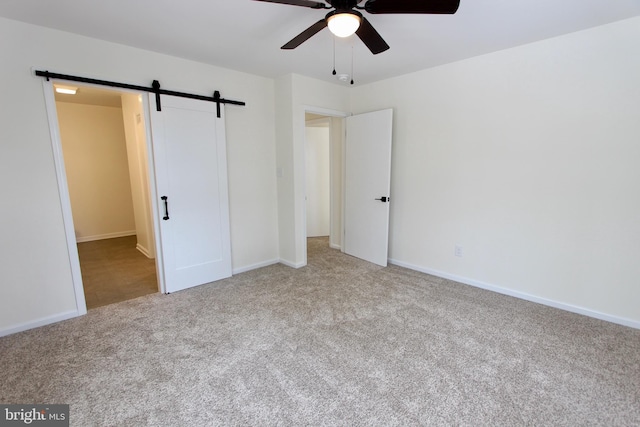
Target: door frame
(63, 189)
(302, 210)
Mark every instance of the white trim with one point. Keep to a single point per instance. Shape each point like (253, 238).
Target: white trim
(344, 174)
(153, 191)
(255, 266)
(332, 233)
(144, 251)
(106, 236)
(21, 327)
(292, 264)
(521, 295)
(65, 200)
(334, 246)
(324, 111)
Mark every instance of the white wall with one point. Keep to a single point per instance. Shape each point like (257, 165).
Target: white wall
(528, 159)
(284, 170)
(95, 159)
(134, 128)
(36, 280)
(317, 171)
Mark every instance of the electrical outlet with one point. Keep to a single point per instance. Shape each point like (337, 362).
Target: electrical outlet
(457, 251)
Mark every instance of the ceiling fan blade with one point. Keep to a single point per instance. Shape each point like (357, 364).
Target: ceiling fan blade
(305, 35)
(370, 37)
(412, 6)
(303, 3)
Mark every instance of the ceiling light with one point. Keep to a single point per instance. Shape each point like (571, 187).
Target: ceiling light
(343, 24)
(66, 90)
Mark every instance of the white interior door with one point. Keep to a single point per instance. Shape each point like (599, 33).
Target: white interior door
(367, 186)
(189, 150)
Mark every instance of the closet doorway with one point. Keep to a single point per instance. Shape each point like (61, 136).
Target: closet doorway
(104, 146)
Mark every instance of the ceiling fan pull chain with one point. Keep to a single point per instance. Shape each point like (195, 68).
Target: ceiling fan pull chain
(334, 54)
(351, 64)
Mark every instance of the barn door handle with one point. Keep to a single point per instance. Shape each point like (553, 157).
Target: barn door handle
(384, 199)
(166, 208)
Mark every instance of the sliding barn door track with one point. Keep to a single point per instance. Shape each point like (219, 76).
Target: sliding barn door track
(155, 88)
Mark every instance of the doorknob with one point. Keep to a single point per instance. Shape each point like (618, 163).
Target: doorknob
(166, 208)
(384, 199)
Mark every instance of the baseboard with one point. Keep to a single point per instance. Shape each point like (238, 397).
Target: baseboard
(521, 295)
(292, 264)
(39, 322)
(105, 236)
(143, 250)
(254, 266)
(334, 246)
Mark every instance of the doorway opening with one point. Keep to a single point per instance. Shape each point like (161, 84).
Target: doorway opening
(364, 185)
(103, 143)
(323, 147)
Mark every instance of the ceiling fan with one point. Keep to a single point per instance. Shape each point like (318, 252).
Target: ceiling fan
(345, 18)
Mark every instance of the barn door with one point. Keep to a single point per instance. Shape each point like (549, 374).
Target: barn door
(189, 150)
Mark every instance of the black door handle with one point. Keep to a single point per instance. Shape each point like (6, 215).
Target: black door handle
(166, 208)
(384, 199)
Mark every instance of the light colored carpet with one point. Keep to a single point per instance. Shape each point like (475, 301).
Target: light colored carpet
(339, 342)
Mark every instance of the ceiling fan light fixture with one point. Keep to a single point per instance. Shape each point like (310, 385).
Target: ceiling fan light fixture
(343, 24)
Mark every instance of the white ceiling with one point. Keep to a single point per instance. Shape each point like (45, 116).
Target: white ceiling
(246, 35)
